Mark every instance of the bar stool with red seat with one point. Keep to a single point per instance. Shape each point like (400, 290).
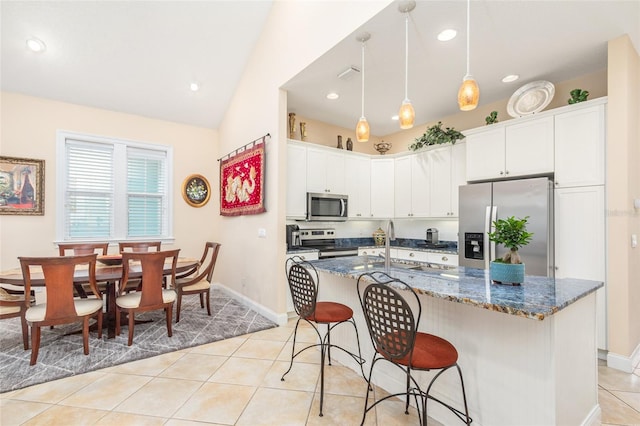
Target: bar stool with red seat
(304, 284)
(393, 329)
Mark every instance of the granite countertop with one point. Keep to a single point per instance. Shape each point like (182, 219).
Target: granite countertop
(537, 298)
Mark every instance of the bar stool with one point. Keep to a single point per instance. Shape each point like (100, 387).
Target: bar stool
(304, 285)
(393, 329)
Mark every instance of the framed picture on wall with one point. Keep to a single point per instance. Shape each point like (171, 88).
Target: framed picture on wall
(21, 186)
(196, 190)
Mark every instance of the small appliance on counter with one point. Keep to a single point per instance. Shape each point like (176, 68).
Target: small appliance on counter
(432, 236)
(293, 236)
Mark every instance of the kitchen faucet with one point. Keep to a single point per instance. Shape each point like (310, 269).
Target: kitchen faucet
(390, 235)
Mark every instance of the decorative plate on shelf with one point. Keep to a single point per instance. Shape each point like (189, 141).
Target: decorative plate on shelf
(196, 190)
(531, 98)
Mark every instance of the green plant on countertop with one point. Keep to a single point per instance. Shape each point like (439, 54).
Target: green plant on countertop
(578, 95)
(511, 233)
(492, 118)
(435, 135)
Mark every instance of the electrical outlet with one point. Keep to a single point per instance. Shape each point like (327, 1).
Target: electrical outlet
(262, 233)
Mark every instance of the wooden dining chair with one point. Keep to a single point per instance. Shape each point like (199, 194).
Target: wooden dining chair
(200, 283)
(77, 249)
(15, 306)
(60, 306)
(139, 246)
(152, 296)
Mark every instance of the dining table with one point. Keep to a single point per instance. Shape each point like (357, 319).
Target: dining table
(110, 274)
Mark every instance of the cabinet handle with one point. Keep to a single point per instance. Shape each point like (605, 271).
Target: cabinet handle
(364, 253)
(303, 258)
(557, 268)
(507, 172)
(501, 172)
(445, 258)
(411, 254)
(556, 182)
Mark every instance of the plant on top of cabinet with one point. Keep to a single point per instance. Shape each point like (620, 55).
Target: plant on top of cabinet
(492, 118)
(435, 135)
(578, 95)
(511, 233)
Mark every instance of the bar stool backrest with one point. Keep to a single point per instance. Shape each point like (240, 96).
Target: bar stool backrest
(303, 283)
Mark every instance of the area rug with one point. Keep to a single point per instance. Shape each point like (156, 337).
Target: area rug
(61, 353)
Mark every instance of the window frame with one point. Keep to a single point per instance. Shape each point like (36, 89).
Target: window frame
(120, 220)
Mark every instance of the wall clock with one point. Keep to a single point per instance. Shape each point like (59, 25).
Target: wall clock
(196, 190)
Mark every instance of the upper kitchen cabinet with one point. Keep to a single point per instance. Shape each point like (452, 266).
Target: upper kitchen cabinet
(523, 147)
(296, 181)
(358, 185)
(411, 185)
(325, 171)
(382, 188)
(580, 145)
(447, 172)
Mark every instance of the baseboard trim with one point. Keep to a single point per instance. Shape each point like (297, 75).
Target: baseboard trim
(280, 319)
(593, 418)
(624, 363)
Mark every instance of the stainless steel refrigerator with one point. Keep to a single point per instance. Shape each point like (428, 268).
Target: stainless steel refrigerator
(482, 203)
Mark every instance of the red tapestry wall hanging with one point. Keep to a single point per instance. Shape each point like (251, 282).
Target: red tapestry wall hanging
(242, 182)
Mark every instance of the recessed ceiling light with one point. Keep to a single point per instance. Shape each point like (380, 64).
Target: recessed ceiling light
(510, 78)
(395, 118)
(332, 96)
(448, 34)
(36, 45)
(194, 87)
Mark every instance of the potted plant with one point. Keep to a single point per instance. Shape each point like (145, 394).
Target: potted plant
(577, 96)
(512, 234)
(435, 135)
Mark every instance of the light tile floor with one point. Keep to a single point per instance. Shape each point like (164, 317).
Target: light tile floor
(237, 382)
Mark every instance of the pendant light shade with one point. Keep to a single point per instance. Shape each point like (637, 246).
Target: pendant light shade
(469, 92)
(407, 114)
(362, 128)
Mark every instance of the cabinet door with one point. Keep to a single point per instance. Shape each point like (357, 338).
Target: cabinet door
(358, 185)
(440, 182)
(316, 170)
(485, 154)
(382, 186)
(458, 174)
(402, 187)
(296, 181)
(579, 147)
(420, 184)
(580, 242)
(529, 147)
(335, 173)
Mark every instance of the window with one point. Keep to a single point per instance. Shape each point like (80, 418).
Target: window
(112, 190)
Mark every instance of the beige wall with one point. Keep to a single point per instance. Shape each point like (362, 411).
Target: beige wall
(28, 130)
(623, 178)
(296, 33)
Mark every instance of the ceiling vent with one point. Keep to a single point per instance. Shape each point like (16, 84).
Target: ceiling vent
(348, 73)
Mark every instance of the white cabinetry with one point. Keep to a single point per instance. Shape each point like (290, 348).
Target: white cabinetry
(296, 181)
(580, 241)
(411, 186)
(516, 149)
(358, 185)
(580, 147)
(376, 251)
(382, 188)
(443, 258)
(447, 172)
(325, 171)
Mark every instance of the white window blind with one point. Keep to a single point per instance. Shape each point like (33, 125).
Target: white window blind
(112, 190)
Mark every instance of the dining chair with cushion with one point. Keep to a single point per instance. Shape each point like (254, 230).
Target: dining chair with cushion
(60, 306)
(304, 284)
(200, 283)
(393, 328)
(15, 306)
(152, 296)
(77, 249)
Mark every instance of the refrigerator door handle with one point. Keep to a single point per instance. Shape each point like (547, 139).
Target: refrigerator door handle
(492, 245)
(487, 228)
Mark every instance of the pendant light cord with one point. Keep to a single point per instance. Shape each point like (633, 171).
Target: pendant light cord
(406, 57)
(362, 78)
(468, 36)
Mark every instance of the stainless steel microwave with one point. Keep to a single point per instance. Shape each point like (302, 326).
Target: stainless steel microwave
(327, 207)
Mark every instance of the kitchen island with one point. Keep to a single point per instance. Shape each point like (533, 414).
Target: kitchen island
(528, 353)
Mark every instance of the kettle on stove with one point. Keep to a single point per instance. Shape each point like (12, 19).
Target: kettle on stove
(432, 236)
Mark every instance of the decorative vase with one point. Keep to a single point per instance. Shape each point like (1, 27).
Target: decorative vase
(379, 236)
(506, 273)
(292, 125)
(339, 142)
(303, 131)
(382, 147)
(349, 144)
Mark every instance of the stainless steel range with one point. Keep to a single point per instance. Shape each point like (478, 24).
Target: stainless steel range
(324, 240)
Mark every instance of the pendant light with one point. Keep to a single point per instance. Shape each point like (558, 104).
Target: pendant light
(362, 128)
(469, 92)
(407, 115)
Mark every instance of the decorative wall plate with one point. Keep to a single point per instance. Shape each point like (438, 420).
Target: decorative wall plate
(196, 190)
(531, 98)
